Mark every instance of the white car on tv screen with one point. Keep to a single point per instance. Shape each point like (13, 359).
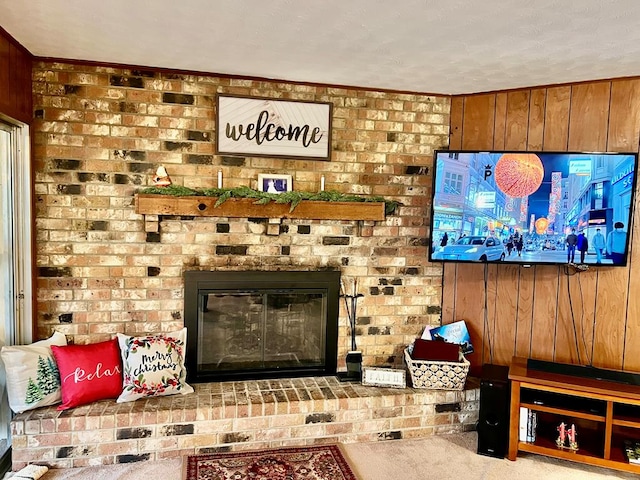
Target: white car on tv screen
(472, 248)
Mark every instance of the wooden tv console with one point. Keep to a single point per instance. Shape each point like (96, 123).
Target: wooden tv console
(605, 413)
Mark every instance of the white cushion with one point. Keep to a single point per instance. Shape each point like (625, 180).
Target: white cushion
(32, 374)
(153, 365)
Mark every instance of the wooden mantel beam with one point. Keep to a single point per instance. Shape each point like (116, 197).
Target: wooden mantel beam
(197, 206)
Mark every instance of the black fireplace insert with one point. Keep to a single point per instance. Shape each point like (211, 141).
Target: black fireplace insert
(257, 325)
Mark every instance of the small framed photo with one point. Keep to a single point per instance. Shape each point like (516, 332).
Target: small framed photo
(271, 183)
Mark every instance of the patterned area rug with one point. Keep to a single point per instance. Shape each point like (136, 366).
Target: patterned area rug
(322, 462)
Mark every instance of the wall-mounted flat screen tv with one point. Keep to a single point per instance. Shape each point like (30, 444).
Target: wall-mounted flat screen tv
(532, 207)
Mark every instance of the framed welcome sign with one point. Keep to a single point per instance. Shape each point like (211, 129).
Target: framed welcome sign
(264, 127)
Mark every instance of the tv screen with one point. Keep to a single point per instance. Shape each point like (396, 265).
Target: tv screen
(532, 207)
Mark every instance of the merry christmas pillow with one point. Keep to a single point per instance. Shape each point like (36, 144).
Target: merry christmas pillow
(89, 372)
(153, 365)
(32, 374)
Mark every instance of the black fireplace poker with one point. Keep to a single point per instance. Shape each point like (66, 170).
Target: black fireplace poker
(354, 356)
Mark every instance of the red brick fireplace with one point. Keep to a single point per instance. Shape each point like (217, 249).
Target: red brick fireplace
(100, 133)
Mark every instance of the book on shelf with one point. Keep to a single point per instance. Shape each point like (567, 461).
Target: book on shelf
(532, 426)
(524, 414)
(632, 450)
(528, 425)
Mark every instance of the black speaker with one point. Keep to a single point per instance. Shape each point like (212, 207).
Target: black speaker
(493, 421)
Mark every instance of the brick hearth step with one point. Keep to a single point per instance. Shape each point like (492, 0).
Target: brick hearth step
(236, 416)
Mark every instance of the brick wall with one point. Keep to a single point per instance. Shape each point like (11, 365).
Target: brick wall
(101, 132)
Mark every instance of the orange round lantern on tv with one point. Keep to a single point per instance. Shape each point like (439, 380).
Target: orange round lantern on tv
(541, 225)
(519, 174)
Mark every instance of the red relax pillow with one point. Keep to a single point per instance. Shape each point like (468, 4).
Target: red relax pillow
(88, 372)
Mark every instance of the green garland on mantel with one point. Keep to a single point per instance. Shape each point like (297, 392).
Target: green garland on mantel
(262, 198)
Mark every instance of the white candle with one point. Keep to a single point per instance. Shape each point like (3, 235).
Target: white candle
(322, 183)
(219, 178)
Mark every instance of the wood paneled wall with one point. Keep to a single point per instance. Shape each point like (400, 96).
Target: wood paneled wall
(591, 317)
(15, 79)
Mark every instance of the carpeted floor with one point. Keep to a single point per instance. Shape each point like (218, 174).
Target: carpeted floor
(449, 457)
(440, 457)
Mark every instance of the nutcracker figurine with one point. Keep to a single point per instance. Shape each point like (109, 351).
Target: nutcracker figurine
(562, 437)
(572, 434)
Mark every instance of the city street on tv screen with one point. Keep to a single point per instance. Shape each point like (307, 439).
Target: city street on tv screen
(532, 207)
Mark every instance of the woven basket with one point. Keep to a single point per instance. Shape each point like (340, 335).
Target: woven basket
(437, 375)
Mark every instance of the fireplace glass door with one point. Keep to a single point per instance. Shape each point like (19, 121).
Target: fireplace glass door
(257, 330)
(258, 324)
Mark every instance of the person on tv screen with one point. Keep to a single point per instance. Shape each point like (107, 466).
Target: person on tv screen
(444, 240)
(571, 242)
(599, 244)
(616, 243)
(583, 245)
(519, 245)
(510, 245)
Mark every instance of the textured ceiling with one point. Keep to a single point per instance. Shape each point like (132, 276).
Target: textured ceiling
(431, 46)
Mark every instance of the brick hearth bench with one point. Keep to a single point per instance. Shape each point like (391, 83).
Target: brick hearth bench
(236, 416)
